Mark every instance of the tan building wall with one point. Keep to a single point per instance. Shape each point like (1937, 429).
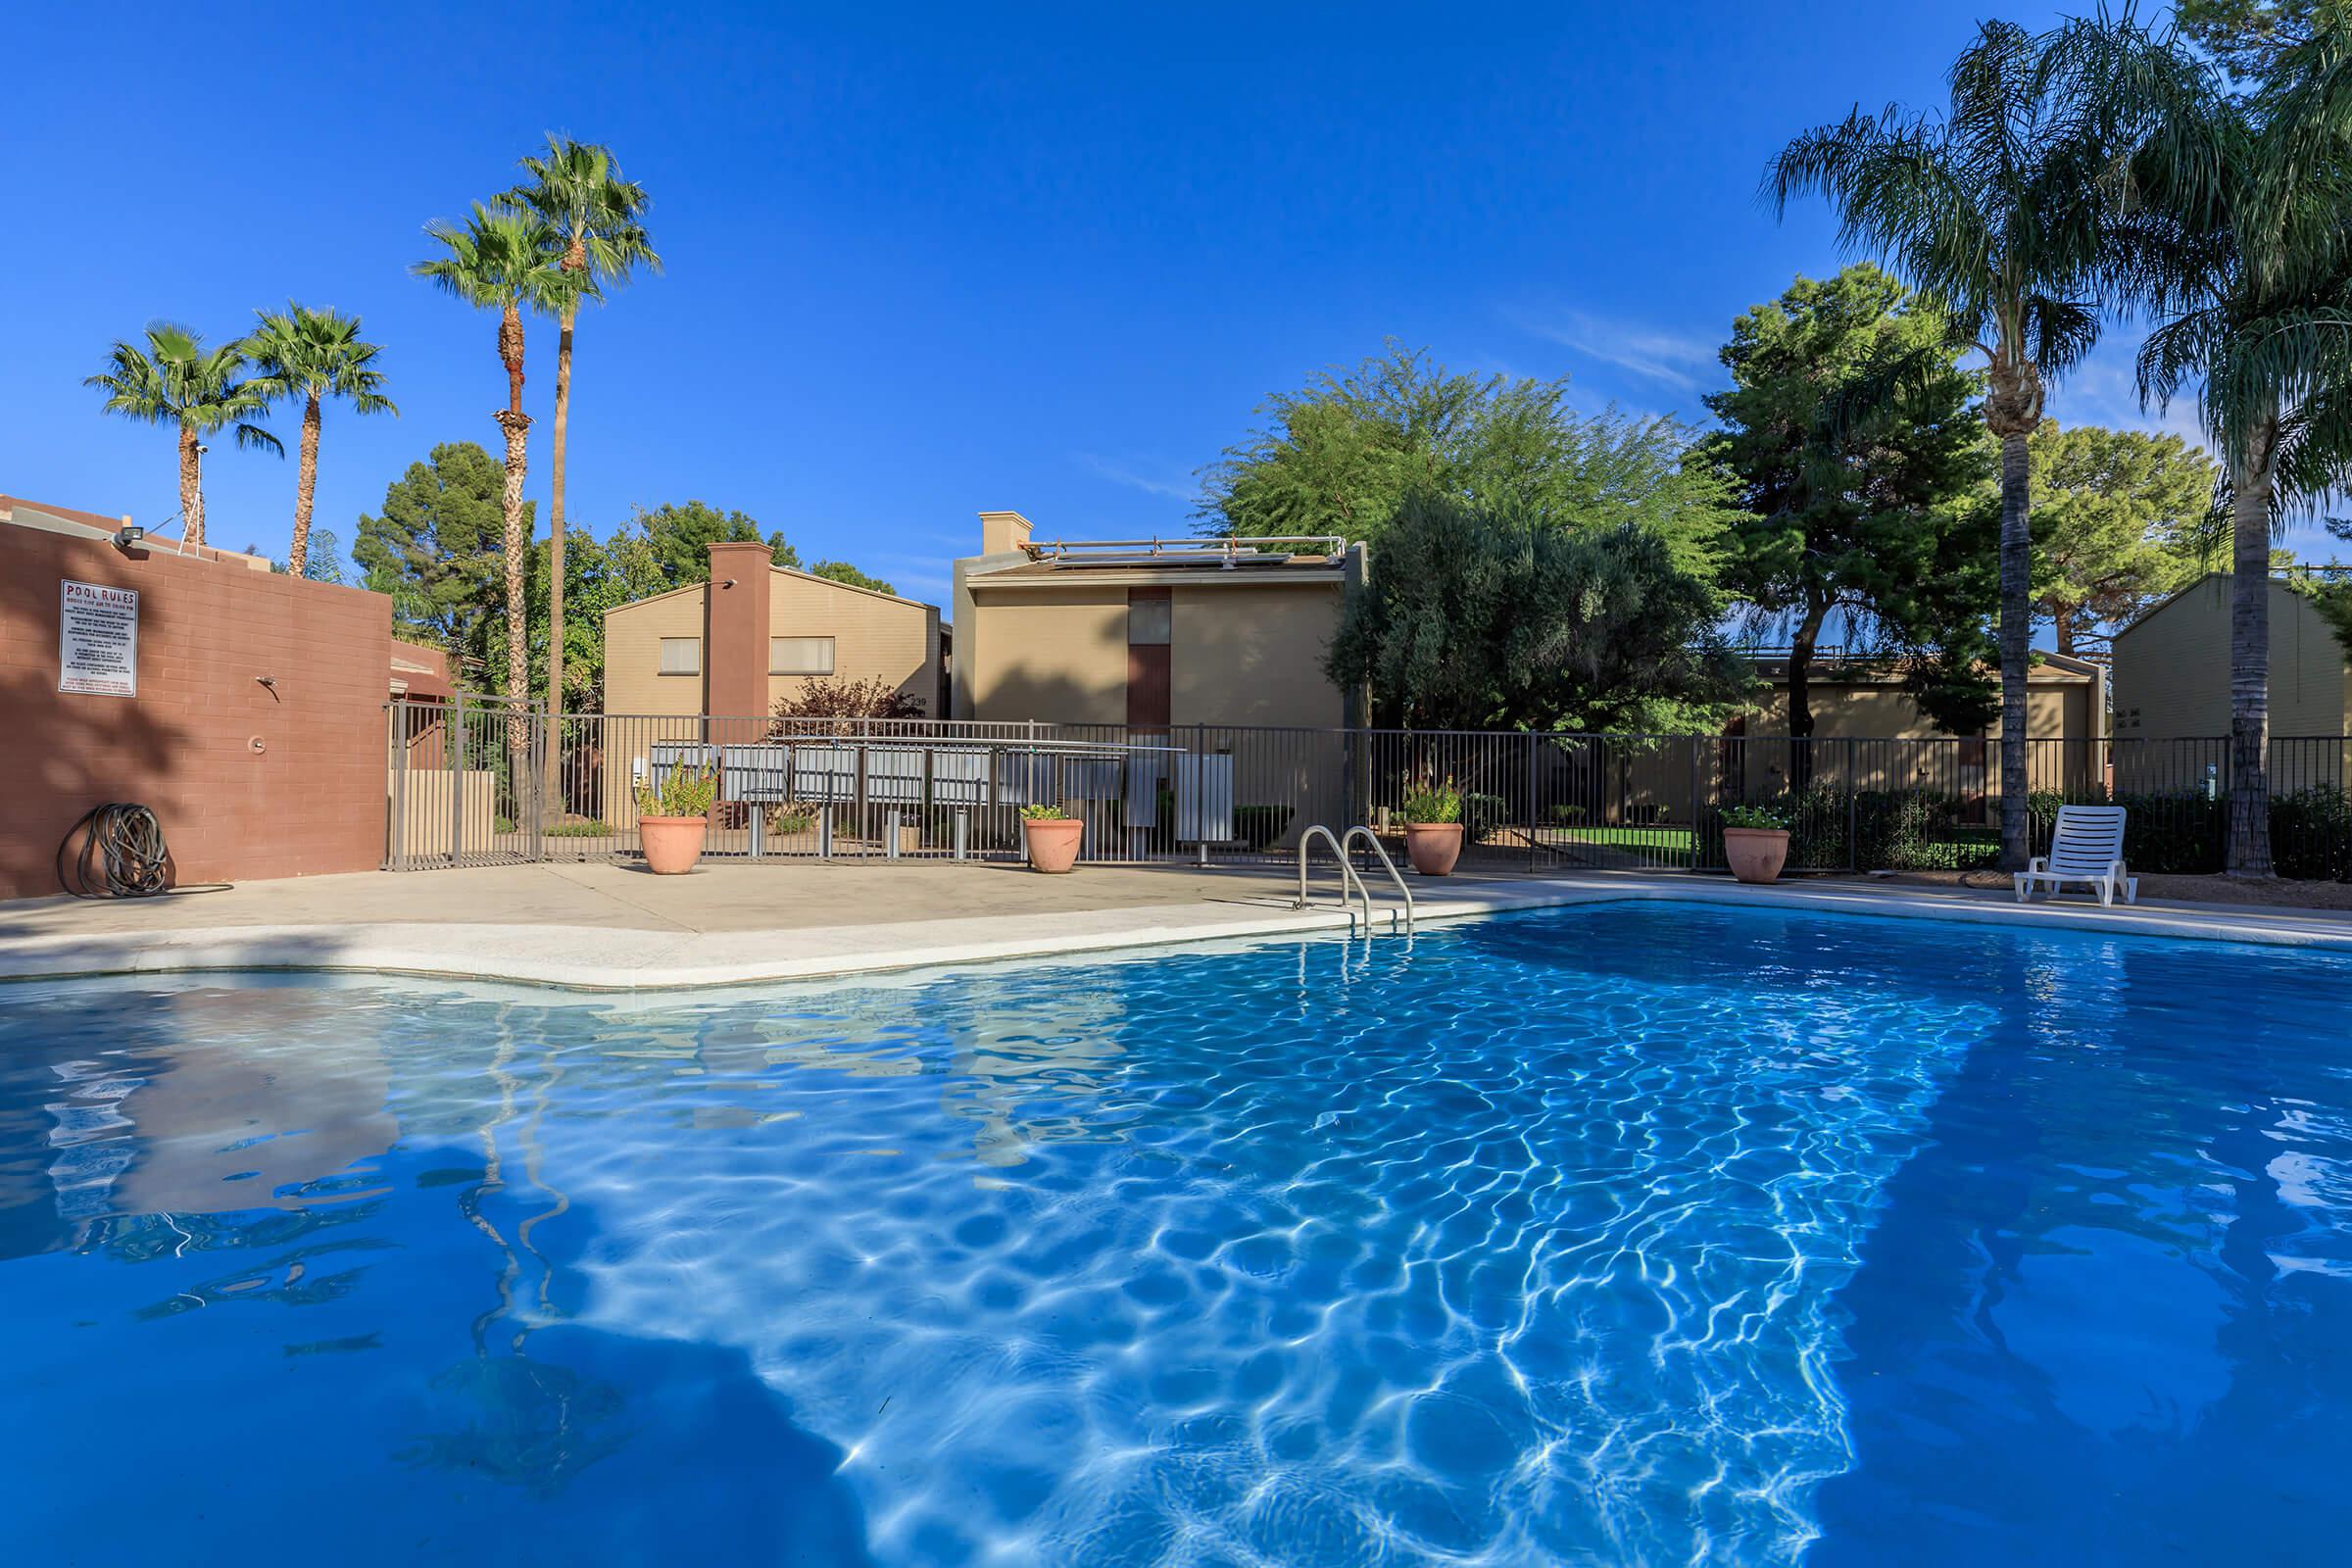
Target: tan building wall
(633, 633)
(1058, 656)
(875, 636)
(2171, 668)
(1253, 656)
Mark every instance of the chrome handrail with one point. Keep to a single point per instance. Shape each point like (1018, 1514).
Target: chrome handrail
(1387, 865)
(1348, 877)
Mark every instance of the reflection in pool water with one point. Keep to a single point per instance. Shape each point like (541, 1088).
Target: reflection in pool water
(1621, 1235)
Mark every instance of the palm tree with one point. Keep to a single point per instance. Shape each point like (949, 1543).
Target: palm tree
(597, 221)
(2253, 267)
(498, 260)
(313, 355)
(2003, 211)
(177, 380)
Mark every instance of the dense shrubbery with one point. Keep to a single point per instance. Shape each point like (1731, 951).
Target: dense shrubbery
(2167, 834)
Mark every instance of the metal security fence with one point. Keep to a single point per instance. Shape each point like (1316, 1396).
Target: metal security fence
(475, 783)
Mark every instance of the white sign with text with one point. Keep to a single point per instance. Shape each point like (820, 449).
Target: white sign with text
(98, 640)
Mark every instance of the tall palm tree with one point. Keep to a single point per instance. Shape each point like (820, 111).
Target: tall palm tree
(2253, 268)
(2003, 211)
(177, 380)
(498, 260)
(596, 224)
(313, 355)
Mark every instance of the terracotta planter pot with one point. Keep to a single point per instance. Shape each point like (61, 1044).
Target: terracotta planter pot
(1053, 842)
(1757, 854)
(1433, 847)
(672, 844)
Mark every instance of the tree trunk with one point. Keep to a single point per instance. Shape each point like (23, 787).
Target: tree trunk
(2250, 657)
(191, 487)
(517, 426)
(306, 481)
(1801, 694)
(554, 548)
(2062, 631)
(2016, 630)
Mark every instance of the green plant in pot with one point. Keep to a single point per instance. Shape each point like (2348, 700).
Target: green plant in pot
(1053, 837)
(1755, 842)
(674, 816)
(1432, 827)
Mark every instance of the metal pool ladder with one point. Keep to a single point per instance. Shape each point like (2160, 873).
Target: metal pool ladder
(1349, 881)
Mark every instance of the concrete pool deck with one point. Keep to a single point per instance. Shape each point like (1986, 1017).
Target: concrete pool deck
(614, 928)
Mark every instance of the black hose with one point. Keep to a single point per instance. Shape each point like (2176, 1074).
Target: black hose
(123, 854)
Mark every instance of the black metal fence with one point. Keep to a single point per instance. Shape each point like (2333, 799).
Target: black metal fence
(478, 783)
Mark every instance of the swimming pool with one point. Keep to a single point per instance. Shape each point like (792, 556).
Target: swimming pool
(1647, 1234)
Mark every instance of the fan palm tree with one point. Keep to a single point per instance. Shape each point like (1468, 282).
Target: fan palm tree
(2254, 270)
(177, 380)
(313, 355)
(498, 260)
(2004, 211)
(596, 225)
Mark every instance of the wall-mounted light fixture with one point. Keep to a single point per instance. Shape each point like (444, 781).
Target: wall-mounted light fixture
(127, 537)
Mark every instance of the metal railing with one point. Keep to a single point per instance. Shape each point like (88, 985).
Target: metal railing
(475, 783)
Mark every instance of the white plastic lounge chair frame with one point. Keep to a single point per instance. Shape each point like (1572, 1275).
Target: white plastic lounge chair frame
(2087, 849)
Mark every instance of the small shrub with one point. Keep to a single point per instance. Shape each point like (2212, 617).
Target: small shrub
(1433, 803)
(1482, 814)
(576, 830)
(1761, 817)
(1568, 815)
(790, 817)
(679, 790)
(1044, 813)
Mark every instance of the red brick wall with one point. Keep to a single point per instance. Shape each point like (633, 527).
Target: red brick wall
(311, 798)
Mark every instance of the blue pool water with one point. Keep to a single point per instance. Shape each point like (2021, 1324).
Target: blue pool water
(1622, 1235)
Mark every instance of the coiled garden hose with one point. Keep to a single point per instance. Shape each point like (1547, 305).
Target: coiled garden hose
(123, 854)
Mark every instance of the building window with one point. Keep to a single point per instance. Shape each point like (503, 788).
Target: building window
(1148, 620)
(681, 655)
(800, 655)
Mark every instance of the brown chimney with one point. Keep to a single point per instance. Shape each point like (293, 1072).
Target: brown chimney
(735, 635)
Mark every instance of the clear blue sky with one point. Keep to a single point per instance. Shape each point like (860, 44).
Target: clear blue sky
(922, 261)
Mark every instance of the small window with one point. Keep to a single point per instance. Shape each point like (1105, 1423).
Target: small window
(681, 655)
(1148, 620)
(800, 655)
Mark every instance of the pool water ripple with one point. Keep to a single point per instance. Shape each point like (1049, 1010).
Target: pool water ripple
(1632, 1235)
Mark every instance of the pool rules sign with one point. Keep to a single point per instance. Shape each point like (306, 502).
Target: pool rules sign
(98, 640)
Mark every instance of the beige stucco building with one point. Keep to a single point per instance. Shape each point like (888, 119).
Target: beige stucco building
(1148, 634)
(2171, 668)
(671, 655)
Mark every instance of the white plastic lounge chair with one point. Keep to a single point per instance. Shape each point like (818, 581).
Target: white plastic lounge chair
(2088, 848)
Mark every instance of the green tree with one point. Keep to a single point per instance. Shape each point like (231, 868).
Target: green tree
(313, 355)
(2007, 211)
(177, 380)
(498, 261)
(436, 549)
(1487, 618)
(600, 575)
(1339, 455)
(2119, 521)
(680, 533)
(843, 571)
(595, 221)
(1883, 522)
(2256, 266)
(324, 562)
(2248, 38)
